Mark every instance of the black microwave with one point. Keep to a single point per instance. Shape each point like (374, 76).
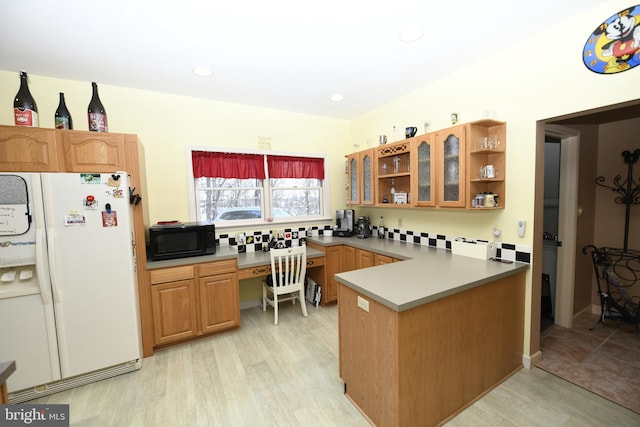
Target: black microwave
(181, 240)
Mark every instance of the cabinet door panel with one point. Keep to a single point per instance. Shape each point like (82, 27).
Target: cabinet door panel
(333, 265)
(424, 170)
(93, 151)
(452, 167)
(28, 149)
(364, 259)
(219, 302)
(174, 311)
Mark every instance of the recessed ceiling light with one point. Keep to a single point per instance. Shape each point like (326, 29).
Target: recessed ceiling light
(337, 97)
(411, 34)
(202, 72)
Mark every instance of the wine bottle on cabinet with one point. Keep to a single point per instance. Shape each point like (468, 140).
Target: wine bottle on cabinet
(63, 117)
(96, 112)
(25, 111)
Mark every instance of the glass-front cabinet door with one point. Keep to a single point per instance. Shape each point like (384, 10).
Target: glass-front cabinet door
(366, 163)
(423, 177)
(360, 175)
(353, 197)
(451, 170)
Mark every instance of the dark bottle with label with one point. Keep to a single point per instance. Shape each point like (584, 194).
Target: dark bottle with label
(25, 111)
(63, 117)
(96, 112)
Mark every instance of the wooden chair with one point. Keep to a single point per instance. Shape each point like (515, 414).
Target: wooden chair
(287, 280)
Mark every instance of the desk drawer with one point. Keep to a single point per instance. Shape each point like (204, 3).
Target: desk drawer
(264, 270)
(217, 267)
(172, 274)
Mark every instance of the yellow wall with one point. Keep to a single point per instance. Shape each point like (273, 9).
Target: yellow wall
(539, 78)
(166, 124)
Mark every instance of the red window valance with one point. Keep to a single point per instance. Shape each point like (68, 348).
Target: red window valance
(295, 167)
(227, 165)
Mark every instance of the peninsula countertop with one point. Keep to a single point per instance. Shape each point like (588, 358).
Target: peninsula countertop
(425, 275)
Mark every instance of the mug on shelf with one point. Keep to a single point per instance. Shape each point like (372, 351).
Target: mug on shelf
(410, 131)
(382, 139)
(488, 171)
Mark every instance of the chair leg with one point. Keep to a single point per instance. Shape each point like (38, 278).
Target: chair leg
(303, 303)
(264, 298)
(275, 308)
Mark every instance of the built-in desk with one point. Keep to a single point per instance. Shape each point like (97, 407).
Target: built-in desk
(257, 264)
(6, 369)
(194, 297)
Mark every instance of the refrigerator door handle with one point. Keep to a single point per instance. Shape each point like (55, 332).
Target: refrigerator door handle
(41, 269)
(52, 262)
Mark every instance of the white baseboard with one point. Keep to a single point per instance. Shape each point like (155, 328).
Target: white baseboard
(530, 362)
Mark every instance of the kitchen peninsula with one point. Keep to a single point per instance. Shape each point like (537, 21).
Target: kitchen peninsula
(423, 338)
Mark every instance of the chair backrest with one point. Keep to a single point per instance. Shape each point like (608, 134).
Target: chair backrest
(288, 266)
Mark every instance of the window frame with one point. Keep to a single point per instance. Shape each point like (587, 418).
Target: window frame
(266, 189)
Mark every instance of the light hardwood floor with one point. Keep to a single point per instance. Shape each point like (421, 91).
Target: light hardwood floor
(287, 375)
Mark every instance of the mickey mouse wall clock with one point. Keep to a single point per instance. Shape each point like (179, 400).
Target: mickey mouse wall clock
(614, 46)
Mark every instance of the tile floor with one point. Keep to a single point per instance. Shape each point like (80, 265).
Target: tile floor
(605, 361)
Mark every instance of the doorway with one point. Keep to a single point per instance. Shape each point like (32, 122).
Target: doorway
(559, 225)
(550, 239)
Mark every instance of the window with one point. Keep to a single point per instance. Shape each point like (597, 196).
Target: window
(248, 188)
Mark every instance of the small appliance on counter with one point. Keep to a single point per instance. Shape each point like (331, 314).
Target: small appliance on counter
(174, 239)
(345, 223)
(363, 227)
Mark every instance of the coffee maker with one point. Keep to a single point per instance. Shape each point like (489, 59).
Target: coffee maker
(345, 222)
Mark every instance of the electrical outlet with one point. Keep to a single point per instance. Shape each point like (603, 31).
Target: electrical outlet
(363, 304)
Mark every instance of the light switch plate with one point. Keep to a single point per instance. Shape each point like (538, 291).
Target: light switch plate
(521, 227)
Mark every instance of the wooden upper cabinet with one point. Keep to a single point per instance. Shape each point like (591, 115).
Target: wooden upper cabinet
(93, 151)
(26, 149)
(451, 169)
(423, 165)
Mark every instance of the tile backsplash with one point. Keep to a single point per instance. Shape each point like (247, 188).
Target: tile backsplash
(257, 240)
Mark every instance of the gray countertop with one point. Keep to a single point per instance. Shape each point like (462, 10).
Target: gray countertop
(427, 274)
(245, 260)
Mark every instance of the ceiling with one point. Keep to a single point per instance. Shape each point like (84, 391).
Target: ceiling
(283, 54)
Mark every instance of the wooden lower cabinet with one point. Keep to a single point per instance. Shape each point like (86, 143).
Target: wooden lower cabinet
(173, 299)
(379, 259)
(219, 296)
(339, 259)
(364, 259)
(348, 258)
(421, 366)
(333, 265)
(193, 300)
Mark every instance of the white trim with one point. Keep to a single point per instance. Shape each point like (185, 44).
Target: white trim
(530, 362)
(193, 204)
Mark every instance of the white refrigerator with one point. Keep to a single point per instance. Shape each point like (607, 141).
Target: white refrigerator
(68, 289)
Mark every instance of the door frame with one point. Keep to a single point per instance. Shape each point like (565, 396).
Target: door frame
(567, 221)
